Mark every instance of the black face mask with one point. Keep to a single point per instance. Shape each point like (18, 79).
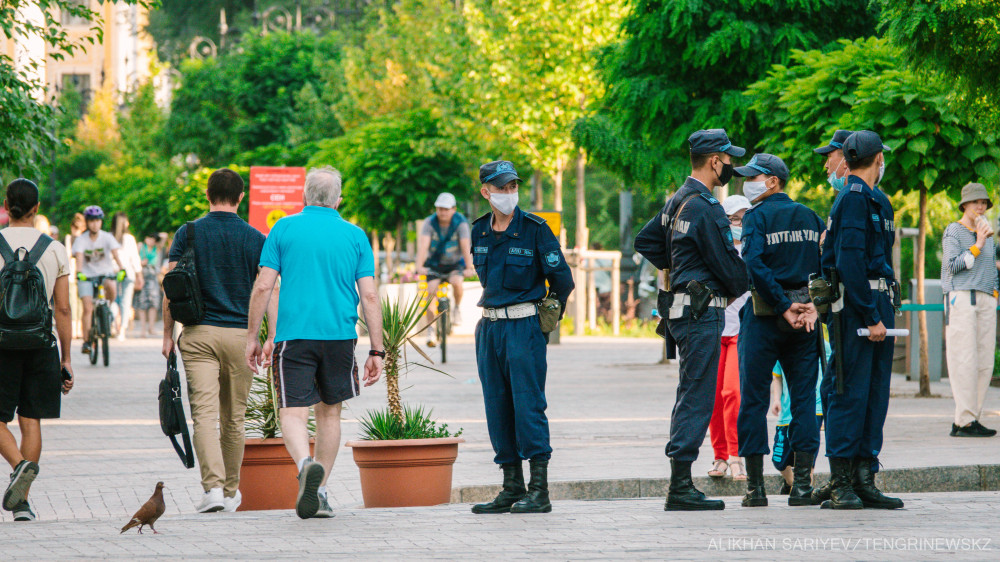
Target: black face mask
(727, 173)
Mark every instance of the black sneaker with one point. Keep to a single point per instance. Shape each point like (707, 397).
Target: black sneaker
(310, 477)
(20, 480)
(982, 430)
(86, 348)
(966, 431)
(23, 512)
(785, 489)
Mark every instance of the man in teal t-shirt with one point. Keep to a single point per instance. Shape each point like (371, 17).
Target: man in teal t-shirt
(327, 268)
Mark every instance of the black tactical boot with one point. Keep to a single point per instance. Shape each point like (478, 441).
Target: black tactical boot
(756, 496)
(682, 495)
(512, 492)
(864, 487)
(822, 494)
(537, 499)
(802, 490)
(842, 494)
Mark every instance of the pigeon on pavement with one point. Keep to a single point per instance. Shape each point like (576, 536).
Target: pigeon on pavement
(149, 512)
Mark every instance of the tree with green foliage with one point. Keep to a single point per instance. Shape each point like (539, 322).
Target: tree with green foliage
(393, 168)
(27, 122)
(959, 39)
(861, 85)
(683, 66)
(244, 100)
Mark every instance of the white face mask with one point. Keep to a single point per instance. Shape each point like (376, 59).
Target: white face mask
(504, 202)
(754, 189)
(881, 172)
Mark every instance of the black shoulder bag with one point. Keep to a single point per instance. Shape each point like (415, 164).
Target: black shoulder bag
(435, 259)
(181, 287)
(172, 420)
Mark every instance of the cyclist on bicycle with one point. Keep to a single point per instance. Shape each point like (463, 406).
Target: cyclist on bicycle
(444, 251)
(96, 254)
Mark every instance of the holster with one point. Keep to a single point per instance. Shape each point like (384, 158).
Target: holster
(664, 300)
(822, 293)
(701, 296)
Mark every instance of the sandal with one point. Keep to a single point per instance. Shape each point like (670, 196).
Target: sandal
(719, 468)
(738, 471)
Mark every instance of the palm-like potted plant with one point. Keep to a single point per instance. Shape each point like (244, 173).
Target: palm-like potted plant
(267, 475)
(404, 457)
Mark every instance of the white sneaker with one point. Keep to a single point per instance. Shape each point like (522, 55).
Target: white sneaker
(456, 317)
(212, 501)
(233, 502)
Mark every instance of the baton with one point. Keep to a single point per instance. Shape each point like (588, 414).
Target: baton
(893, 333)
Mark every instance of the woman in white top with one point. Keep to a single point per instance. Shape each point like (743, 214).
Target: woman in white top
(129, 254)
(727, 388)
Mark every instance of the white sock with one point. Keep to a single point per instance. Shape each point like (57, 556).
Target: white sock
(302, 463)
(321, 491)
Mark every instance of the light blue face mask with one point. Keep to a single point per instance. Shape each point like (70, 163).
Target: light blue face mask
(836, 183)
(737, 232)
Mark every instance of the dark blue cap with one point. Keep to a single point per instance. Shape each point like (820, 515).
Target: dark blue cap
(762, 163)
(836, 142)
(498, 173)
(707, 141)
(861, 145)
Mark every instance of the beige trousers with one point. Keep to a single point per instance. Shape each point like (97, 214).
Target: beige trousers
(971, 339)
(218, 385)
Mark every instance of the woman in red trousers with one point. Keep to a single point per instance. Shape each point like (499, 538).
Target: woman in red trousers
(727, 388)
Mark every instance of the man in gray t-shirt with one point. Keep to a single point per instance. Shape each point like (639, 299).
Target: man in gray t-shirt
(444, 251)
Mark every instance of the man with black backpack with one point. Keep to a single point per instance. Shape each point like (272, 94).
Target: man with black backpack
(444, 251)
(35, 273)
(213, 265)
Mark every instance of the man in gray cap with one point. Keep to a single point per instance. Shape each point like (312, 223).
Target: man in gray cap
(834, 163)
(691, 238)
(781, 250)
(859, 241)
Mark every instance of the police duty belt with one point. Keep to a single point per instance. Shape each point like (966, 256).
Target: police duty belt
(683, 299)
(514, 311)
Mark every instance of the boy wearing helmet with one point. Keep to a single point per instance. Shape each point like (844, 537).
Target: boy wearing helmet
(96, 253)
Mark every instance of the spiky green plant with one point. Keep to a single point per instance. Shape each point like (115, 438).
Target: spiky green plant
(415, 424)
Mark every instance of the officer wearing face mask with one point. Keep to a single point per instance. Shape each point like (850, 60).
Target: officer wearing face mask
(514, 254)
(691, 237)
(781, 249)
(859, 241)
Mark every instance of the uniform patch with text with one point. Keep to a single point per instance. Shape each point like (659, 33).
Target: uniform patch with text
(522, 252)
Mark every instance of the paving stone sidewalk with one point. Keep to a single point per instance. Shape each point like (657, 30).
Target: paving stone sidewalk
(932, 526)
(609, 406)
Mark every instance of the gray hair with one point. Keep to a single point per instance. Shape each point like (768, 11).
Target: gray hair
(322, 187)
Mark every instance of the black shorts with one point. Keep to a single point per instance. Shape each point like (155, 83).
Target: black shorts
(30, 383)
(445, 271)
(309, 371)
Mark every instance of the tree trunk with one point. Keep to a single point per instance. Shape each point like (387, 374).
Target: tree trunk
(537, 199)
(925, 371)
(392, 383)
(376, 250)
(389, 242)
(557, 198)
(582, 236)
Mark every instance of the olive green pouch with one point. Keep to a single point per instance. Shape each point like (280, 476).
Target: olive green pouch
(549, 310)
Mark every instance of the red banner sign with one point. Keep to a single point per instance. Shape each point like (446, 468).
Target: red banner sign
(274, 193)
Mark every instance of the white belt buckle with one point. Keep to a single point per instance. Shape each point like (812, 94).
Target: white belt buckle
(882, 285)
(491, 313)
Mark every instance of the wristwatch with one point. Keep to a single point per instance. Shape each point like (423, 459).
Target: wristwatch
(374, 353)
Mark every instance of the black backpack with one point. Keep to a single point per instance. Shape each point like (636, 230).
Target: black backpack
(172, 420)
(181, 287)
(25, 314)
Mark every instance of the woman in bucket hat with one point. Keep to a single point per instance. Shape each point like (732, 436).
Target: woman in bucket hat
(969, 281)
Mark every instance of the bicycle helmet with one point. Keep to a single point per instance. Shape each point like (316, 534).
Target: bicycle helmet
(93, 212)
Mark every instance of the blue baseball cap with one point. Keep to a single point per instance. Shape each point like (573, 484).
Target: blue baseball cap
(836, 142)
(498, 173)
(707, 141)
(861, 145)
(763, 163)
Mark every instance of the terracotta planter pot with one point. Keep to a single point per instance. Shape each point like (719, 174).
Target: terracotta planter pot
(406, 472)
(267, 476)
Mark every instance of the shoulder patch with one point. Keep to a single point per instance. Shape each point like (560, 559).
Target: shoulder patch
(483, 217)
(534, 218)
(857, 187)
(709, 198)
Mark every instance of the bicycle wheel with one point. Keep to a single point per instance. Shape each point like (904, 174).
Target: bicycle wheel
(93, 344)
(105, 351)
(443, 327)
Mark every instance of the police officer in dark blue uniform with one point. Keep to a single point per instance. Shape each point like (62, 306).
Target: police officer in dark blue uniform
(860, 240)
(781, 250)
(514, 254)
(691, 237)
